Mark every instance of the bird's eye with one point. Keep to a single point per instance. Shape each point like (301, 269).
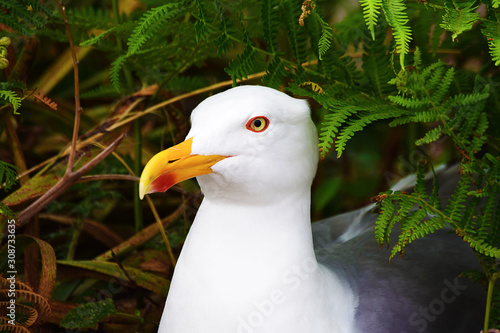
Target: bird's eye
(258, 124)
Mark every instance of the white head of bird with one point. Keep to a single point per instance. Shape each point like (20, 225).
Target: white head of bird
(249, 143)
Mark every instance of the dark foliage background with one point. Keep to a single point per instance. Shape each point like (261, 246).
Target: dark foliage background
(396, 87)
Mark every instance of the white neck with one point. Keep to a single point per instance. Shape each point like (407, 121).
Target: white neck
(243, 267)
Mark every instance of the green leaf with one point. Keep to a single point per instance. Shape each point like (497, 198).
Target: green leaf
(459, 16)
(326, 37)
(152, 21)
(11, 97)
(371, 11)
(8, 175)
(89, 315)
(395, 12)
(492, 32)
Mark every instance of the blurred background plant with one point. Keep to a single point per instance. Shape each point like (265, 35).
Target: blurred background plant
(395, 86)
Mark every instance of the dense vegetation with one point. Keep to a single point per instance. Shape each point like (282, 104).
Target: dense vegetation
(90, 90)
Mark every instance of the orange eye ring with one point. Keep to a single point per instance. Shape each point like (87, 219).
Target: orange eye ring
(258, 124)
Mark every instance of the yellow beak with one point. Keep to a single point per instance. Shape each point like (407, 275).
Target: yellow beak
(174, 165)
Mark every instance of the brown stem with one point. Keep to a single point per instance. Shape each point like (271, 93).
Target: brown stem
(78, 108)
(66, 181)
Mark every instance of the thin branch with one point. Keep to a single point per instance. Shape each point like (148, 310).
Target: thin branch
(108, 177)
(66, 181)
(78, 108)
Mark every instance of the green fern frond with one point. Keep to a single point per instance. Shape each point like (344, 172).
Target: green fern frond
(427, 116)
(444, 86)
(359, 124)
(8, 175)
(244, 64)
(152, 21)
(482, 247)
(395, 13)
(332, 124)
(11, 97)
(223, 42)
(203, 30)
(431, 136)
(410, 229)
(429, 70)
(383, 225)
(459, 16)
(457, 201)
(492, 32)
(296, 36)
(479, 139)
(409, 103)
(270, 22)
(96, 39)
(419, 189)
(114, 73)
(20, 18)
(434, 79)
(469, 99)
(371, 11)
(275, 72)
(377, 64)
(326, 36)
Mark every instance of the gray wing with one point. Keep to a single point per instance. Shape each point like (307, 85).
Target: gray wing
(421, 292)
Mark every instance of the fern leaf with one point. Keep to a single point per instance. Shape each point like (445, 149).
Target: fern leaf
(331, 125)
(11, 97)
(243, 65)
(395, 12)
(371, 11)
(223, 42)
(377, 64)
(96, 39)
(275, 72)
(357, 125)
(410, 230)
(46, 100)
(201, 27)
(152, 21)
(459, 16)
(114, 73)
(8, 175)
(383, 225)
(409, 103)
(270, 22)
(296, 36)
(456, 203)
(431, 136)
(326, 37)
(420, 190)
(469, 99)
(444, 86)
(479, 139)
(492, 32)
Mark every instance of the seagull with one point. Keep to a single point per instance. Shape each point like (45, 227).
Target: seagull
(253, 262)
